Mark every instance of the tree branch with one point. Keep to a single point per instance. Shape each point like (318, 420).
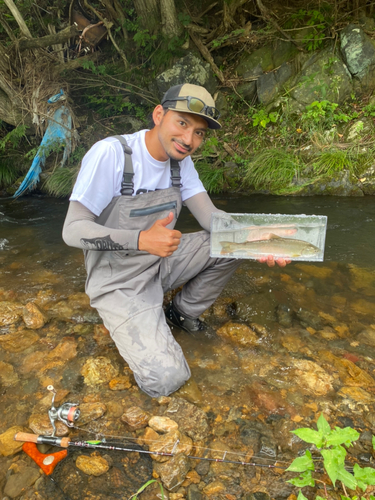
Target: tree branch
(17, 16)
(206, 54)
(48, 40)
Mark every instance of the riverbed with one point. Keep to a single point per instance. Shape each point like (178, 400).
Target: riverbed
(290, 343)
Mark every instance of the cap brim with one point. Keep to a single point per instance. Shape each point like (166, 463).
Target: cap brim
(213, 124)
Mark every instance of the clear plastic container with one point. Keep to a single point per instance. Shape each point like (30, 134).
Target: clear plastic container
(253, 236)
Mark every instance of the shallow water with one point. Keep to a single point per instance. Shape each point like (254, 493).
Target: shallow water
(307, 342)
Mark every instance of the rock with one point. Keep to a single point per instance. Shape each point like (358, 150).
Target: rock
(357, 50)
(367, 336)
(8, 446)
(40, 424)
(284, 315)
(238, 334)
(191, 420)
(250, 436)
(93, 465)
(173, 472)
(190, 391)
(312, 377)
(135, 418)
(192, 477)
(102, 336)
(98, 370)
(10, 313)
(309, 319)
(171, 442)
(33, 317)
(162, 424)
(194, 493)
(357, 394)
(149, 436)
(214, 488)
(8, 376)
(18, 341)
(189, 69)
(270, 84)
(18, 483)
(91, 411)
(164, 400)
(120, 383)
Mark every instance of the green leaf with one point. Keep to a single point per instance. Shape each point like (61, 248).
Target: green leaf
(342, 436)
(323, 425)
(333, 463)
(301, 496)
(365, 474)
(310, 436)
(348, 479)
(302, 464)
(303, 480)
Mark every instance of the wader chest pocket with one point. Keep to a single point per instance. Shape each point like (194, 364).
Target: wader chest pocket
(139, 212)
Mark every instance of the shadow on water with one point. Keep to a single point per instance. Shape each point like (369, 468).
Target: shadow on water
(291, 342)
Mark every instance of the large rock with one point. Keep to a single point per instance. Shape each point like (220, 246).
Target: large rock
(191, 420)
(173, 472)
(10, 312)
(33, 317)
(93, 465)
(19, 341)
(98, 370)
(18, 483)
(323, 77)
(358, 51)
(8, 376)
(189, 69)
(8, 446)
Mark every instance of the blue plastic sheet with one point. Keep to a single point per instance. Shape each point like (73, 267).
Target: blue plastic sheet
(59, 132)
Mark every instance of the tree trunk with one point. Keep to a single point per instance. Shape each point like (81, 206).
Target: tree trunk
(149, 15)
(170, 23)
(49, 40)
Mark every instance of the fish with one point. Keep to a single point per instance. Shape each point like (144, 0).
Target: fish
(275, 245)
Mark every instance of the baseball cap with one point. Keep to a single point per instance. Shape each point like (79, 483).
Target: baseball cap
(193, 99)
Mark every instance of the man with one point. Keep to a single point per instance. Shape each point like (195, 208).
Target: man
(124, 223)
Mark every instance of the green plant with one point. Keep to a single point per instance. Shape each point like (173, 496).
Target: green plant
(329, 443)
(13, 138)
(316, 20)
(213, 178)
(272, 169)
(331, 162)
(8, 174)
(261, 118)
(142, 488)
(61, 181)
(369, 110)
(323, 114)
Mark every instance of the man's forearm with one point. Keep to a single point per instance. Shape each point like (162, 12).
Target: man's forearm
(81, 231)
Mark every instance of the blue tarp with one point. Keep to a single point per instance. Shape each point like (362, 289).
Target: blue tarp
(59, 132)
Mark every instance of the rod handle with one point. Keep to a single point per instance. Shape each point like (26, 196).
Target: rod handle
(24, 436)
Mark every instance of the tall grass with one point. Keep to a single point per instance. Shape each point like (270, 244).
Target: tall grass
(61, 181)
(213, 178)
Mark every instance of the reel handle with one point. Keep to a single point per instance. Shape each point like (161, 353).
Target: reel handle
(33, 438)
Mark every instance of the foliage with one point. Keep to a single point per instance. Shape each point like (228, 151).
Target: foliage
(212, 177)
(324, 114)
(8, 174)
(330, 443)
(61, 182)
(272, 169)
(142, 488)
(261, 118)
(13, 138)
(316, 20)
(332, 162)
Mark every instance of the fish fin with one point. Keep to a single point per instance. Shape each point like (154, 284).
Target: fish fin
(274, 236)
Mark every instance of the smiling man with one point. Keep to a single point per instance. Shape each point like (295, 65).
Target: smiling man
(122, 213)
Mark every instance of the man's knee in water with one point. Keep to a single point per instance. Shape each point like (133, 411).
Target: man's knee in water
(163, 383)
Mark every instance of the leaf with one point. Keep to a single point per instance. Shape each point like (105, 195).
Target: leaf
(302, 464)
(310, 436)
(348, 479)
(303, 480)
(342, 436)
(333, 463)
(323, 425)
(373, 442)
(365, 474)
(301, 496)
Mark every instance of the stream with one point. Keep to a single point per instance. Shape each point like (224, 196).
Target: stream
(291, 343)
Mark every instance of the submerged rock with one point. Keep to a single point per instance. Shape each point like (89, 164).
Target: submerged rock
(91, 411)
(311, 376)
(93, 465)
(10, 312)
(191, 420)
(18, 483)
(120, 383)
(173, 472)
(18, 341)
(135, 418)
(238, 334)
(162, 424)
(98, 370)
(172, 442)
(8, 446)
(40, 424)
(8, 376)
(33, 317)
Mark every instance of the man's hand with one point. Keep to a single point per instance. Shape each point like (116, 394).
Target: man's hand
(158, 240)
(271, 261)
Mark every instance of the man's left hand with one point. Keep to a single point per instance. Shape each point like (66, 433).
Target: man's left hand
(271, 261)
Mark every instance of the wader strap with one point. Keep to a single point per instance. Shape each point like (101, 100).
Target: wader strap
(127, 184)
(175, 174)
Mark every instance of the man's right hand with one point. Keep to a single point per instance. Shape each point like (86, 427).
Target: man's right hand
(159, 240)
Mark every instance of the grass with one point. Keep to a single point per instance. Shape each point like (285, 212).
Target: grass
(8, 174)
(213, 178)
(61, 181)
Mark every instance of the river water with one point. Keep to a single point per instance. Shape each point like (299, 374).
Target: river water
(292, 342)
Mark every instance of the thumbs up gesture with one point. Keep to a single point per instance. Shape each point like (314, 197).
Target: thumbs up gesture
(159, 240)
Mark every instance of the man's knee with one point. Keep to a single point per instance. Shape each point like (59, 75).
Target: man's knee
(163, 382)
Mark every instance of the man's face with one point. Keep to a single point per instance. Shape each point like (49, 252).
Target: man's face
(179, 133)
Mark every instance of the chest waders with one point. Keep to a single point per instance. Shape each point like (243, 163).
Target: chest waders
(127, 286)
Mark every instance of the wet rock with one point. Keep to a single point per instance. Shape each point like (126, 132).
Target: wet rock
(194, 493)
(162, 424)
(10, 312)
(284, 315)
(190, 391)
(251, 437)
(257, 307)
(238, 334)
(367, 336)
(8, 376)
(309, 319)
(8, 446)
(46, 402)
(91, 411)
(214, 488)
(135, 418)
(172, 442)
(191, 420)
(164, 400)
(203, 468)
(93, 465)
(43, 361)
(18, 341)
(292, 343)
(269, 400)
(40, 424)
(102, 336)
(267, 447)
(173, 472)
(120, 383)
(149, 436)
(33, 317)
(18, 483)
(311, 376)
(192, 477)
(257, 495)
(357, 394)
(98, 370)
